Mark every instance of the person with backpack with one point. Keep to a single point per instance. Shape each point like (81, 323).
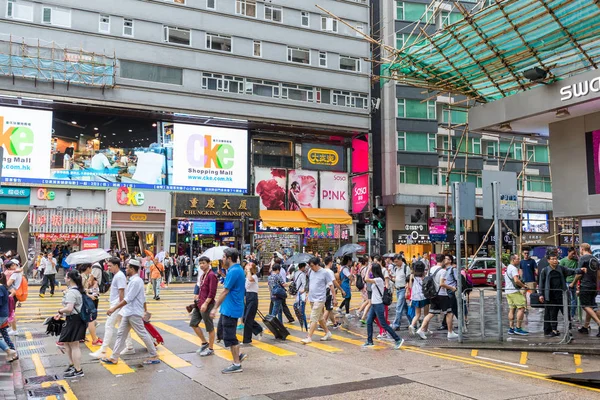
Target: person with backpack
(278, 292)
(168, 263)
(92, 290)
(134, 309)
(347, 281)
(436, 290)
(157, 270)
(400, 274)
(16, 285)
(11, 354)
(377, 302)
(102, 277)
(416, 297)
(589, 286)
(74, 328)
(452, 280)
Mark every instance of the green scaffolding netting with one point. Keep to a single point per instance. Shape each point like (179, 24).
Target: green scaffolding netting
(484, 55)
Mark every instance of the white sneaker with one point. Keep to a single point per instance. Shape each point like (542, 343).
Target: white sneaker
(12, 333)
(412, 330)
(421, 334)
(452, 335)
(306, 340)
(128, 351)
(326, 337)
(98, 354)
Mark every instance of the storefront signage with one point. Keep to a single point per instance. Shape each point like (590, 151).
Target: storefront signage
(91, 242)
(129, 197)
(214, 159)
(260, 228)
(67, 220)
(323, 157)
(360, 194)
(410, 237)
(220, 207)
(138, 217)
(580, 89)
(14, 192)
(437, 229)
(334, 190)
(328, 231)
(46, 194)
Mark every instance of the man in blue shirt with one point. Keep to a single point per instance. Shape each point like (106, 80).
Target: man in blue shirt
(528, 268)
(231, 301)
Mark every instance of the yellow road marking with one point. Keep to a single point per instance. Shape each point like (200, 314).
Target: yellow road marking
(523, 359)
(577, 359)
(219, 351)
(118, 369)
(316, 345)
(28, 336)
(336, 337)
(40, 370)
(278, 351)
(474, 353)
(164, 354)
(578, 370)
(39, 367)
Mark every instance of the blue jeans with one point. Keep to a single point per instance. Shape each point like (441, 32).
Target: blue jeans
(401, 307)
(277, 308)
(377, 310)
(3, 344)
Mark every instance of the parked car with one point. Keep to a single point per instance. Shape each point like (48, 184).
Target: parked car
(491, 279)
(480, 268)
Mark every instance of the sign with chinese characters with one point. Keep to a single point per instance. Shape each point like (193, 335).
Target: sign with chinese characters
(67, 220)
(437, 229)
(222, 207)
(260, 228)
(410, 237)
(323, 157)
(326, 231)
(360, 194)
(14, 192)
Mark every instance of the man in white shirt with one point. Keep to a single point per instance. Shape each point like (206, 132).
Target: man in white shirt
(48, 263)
(133, 309)
(13, 284)
(99, 162)
(400, 274)
(117, 294)
(516, 299)
(318, 282)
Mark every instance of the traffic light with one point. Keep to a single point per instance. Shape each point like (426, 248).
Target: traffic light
(2, 221)
(379, 218)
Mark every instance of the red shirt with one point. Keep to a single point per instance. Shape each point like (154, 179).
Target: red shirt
(208, 288)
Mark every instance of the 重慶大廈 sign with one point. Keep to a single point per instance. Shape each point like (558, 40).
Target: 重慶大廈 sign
(67, 220)
(223, 207)
(323, 157)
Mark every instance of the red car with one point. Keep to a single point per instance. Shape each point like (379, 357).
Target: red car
(480, 268)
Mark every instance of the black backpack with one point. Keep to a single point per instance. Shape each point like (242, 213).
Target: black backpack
(429, 290)
(360, 283)
(292, 288)
(104, 285)
(593, 264)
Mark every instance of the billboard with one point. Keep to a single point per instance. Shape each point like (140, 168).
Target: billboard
(302, 189)
(270, 186)
(360, 154)
(333, 191)
(360, 194)
(323, 157)
(592, 141)
(42, 150)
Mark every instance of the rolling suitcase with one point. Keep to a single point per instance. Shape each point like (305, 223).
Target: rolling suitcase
(275, 326)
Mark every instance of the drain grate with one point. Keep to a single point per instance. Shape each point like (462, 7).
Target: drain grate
(28, 352)
(36, 380)
(27, 343)
(54, 390)
(38, 335)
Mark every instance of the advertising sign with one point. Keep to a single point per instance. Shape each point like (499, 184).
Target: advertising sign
(323, 157)
(212, 159)
(415, 218)
(270, 186)
(91, 242)
(592, 142)
(204, 227)
(302, 189)
(260, 228)
(360, 194)
(437, 229)
(328, 231)
(360, 154)
(334, 190)
(67, 220)
(221, 207)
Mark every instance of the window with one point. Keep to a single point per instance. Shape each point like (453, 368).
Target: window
(460, 176)
(406, 40)
(246, 7)
(329, 24)
(218, 42)
(211, 4)
(348, 63)
(299, 56)
(360, 29)
(414, 12)
(492, 149)
(262, 88)
(417, 142)
(418, 176)
(177, 35)
(257, 48)
(349, 99)
(127, 27)
(538, 184)
(22, 10)
(416, 109)
(401, 141)
(270, 153)
(537, 154)
(476, 146)
(297, 92)
(56, 16)
(223, 83)
(322, 59)
(454, 116)
(305, 19)
(151, 72)
(273, 13)
(104, 24)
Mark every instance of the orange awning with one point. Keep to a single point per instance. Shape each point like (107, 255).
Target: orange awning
(286, 219)
(327, 216)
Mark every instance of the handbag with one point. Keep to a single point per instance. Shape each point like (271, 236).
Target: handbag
(386, 297)
(534, 300)
(279, 292)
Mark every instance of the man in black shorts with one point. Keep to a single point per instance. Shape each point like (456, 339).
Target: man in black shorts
(588, 288)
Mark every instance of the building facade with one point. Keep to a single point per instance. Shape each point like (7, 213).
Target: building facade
(423, 148)
(121, 91)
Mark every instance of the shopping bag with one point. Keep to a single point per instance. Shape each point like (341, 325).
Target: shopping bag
(410, 312)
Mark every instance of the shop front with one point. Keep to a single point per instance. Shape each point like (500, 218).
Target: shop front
(413, 242)
(14, 201)
(61, 218)
(139, 219)
(268, 241)
(201, 221)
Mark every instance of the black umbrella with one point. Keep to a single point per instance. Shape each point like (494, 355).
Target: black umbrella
(348, 249)
(298, 258)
